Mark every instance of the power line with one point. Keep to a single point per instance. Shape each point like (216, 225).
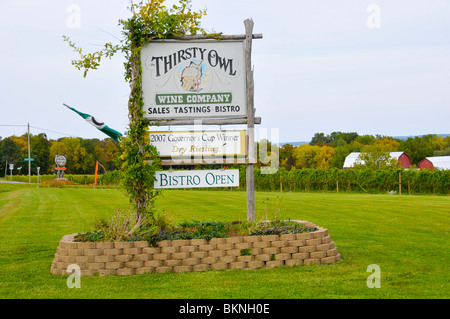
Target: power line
(43, 129)
(38, 128)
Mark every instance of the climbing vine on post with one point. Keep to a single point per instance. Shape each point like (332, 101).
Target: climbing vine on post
(150, 19)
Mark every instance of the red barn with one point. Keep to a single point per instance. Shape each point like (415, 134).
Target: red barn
(404, 160)
(439, 162)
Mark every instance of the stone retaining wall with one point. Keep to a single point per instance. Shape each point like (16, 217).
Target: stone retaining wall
(241, 252)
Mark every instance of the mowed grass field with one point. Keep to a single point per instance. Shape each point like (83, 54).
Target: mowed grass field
(406, 236)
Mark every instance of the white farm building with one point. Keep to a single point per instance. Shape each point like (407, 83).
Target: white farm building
(352, 158)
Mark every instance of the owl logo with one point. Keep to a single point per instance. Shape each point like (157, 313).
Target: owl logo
(191, 77)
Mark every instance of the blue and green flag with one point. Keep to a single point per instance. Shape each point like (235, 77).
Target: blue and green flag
(98, 124)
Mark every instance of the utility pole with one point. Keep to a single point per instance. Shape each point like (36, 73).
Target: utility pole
(29, 156)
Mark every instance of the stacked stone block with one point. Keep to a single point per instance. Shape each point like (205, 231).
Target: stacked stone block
(130, 258)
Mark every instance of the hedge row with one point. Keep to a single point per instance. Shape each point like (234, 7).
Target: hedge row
(352, 180)
(306, 180)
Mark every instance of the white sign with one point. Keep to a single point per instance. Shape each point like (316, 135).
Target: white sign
(195, 79)
(199, 143)
(11, 166)
(197, 178)
(60, 160)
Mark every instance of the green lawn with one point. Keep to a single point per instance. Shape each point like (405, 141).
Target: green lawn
(407, 236)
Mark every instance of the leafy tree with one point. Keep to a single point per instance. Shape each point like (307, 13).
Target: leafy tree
(22, 141)
(324, 157)
(286, 159)
(418, 148)
(110, 153)
(376, 160)
(288, 163)
(313, 156)
(439, 143)
(78, 160)
(318, 138)
(10, 151)
(285, 151)
(150, 19)
(365, 139)
(40, 151)
(304, 155)
(334, 139)
(377, 155)
(386, 144)
(348, 137)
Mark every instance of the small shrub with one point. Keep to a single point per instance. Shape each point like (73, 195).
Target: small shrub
(121, 227)
(95, 235)
(246, 252)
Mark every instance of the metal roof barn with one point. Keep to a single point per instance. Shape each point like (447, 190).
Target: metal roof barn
(402, 157)
(438, 162)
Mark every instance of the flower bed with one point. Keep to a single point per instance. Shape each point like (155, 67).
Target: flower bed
(187, 255)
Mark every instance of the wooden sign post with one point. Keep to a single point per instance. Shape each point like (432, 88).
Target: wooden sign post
(195, 79)
(250, 175)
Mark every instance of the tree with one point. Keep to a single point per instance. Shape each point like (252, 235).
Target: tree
(376, 160)
(110, 152)
(418, 148)
(313, 156)
(9, 151)
(365, 139)
(286, 159)
(22, 141)
(304, 155)
(334, 139)
(318, 138)
(385, 144)
(40, 151)
(324, 157)
(377, 155)
(288, 163)
(150, 19)
(78, 159)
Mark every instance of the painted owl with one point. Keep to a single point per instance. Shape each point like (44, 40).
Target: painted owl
(191, 77)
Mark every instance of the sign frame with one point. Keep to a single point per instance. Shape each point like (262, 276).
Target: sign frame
(196, 179)
(198, 136)
(250, 120)
(195, 79)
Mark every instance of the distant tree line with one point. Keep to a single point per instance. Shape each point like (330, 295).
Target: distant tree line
(330, 151)
(323, 152)
(81, 154)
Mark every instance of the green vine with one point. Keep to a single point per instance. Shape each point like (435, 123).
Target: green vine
(150, 19)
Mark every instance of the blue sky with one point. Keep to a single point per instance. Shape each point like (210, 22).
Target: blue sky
(318, 68)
